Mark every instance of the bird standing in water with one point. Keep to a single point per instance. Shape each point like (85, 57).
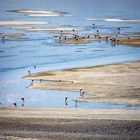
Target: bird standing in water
(15, 104)
(29, 72)
(76, 103)
(66, 99)
(23, 100)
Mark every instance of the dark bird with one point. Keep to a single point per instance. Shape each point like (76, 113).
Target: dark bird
(15, 104)
(66, 99)
(82, 93)
(32, 82)
(22, 99)
(76, 103)
(29, 73)
(106, 38)
(93, 25)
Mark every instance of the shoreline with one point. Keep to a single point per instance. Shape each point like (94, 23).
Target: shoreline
(70, 113)
(115, 76)
(58, 124)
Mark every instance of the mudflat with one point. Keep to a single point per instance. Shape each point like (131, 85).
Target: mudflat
(118, 83)
(70, 124)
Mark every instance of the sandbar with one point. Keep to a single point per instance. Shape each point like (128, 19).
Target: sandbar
(118, 83)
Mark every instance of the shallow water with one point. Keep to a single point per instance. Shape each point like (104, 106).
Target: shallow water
(39, 48)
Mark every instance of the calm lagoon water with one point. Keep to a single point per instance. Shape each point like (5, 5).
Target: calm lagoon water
(40, 50)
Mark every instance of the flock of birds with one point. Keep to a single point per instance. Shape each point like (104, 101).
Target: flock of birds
(65, 100)
(76, 101)
(15, 104)
(76, 37)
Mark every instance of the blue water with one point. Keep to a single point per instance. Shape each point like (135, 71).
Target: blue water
(40, 49)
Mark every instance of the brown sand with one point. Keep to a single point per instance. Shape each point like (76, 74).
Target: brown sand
(112, 83)
(15, 36)
(69, 124)
(123, 40)
(133, 41)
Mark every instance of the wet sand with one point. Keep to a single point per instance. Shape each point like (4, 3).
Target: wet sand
(41, 13)
(121, 40)
(133, 41)
(118, 83)
(70, 124)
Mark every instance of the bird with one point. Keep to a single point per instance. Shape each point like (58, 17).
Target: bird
(15, 104)
(59, 37)
(80, 90)
(3, 37)
(106, 38)
(97, 31)
(76, 103)
(66, 103)
(40, 80)
(66, 98)
(32, 82)
(22, 99)
(29, 72)
(82, 94)
(93, 25)
(119, 30)
(61, 33)
(99, 37)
